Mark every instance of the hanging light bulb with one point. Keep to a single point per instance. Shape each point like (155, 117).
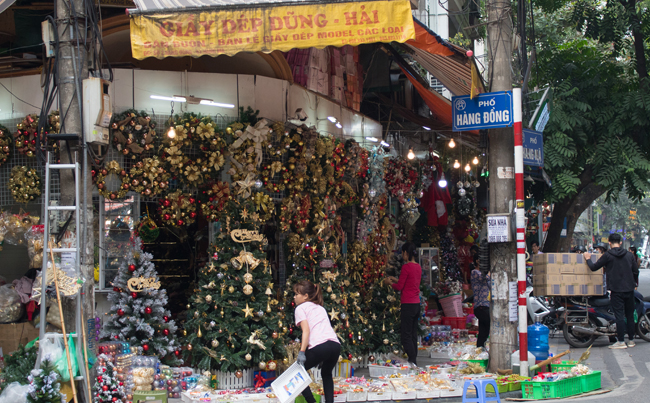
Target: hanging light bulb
(456, 164)
(475, 161)
(467, 168)
(452, 144)
(410, 155)
(171, 133)
(442, 182)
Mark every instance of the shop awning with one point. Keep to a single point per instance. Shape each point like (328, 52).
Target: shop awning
(446, 62)
(178, 28)
(5, 4)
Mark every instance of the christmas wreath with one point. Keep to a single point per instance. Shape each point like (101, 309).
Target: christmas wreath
(263, 206)
(192, 132)
(247, 147)
(268, 173)
(149, 178)
(99, 178)
(26, 135)
(25, 184)
(400, 178)
(133, 132)
(218, 195)
(5, 144)
(178, 208)
(294, 213)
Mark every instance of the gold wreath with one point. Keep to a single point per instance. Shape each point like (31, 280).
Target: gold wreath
(99, 177)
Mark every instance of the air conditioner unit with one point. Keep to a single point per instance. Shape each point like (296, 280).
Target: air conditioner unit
(97, 109)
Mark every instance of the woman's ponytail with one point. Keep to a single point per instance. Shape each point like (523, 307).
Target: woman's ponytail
(314, 292)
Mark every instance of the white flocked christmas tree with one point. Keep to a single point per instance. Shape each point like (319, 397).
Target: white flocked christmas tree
(138, 309)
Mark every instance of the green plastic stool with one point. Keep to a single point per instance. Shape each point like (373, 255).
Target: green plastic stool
(149, 395)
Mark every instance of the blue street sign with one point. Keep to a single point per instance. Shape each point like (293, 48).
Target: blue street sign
(486, 111)
(533, 148)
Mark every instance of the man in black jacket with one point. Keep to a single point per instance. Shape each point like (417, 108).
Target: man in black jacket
(622, 276)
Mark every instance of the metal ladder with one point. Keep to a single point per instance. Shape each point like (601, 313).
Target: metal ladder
(76, 250)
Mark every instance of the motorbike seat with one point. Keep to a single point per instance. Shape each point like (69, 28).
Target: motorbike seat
(599, 301)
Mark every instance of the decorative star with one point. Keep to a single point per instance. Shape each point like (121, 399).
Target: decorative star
(246, 185)
(374, 317)
(244, 214)
(248, 311)
(255, 217)
(211, 266)
(334, 314)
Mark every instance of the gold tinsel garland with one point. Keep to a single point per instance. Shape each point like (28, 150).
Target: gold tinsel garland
(178, 208)
(149, 178)
(99, 178)
(25, 184)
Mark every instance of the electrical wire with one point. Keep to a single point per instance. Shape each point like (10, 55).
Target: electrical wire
(14, 95)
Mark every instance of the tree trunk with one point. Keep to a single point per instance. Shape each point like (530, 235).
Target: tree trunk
(571, 208)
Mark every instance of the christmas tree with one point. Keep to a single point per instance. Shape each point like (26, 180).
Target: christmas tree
(138, 313)
(383, 312)
(234, 319)
(44, 386)
(18, 366)
(107, 388)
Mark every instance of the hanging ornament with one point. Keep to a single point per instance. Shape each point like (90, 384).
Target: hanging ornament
(231, 289)
(199, 334)
(248, 357)
(248, 277)
(189, 347)
(248, 289)
(272, 365)
(166, 332)
(208, 298)
(145, 347)
(131, 268)
(239, 374)
(120, 312)
(371, 358)
(134, 295)
(262, 365)
(184, 332)
(147, 310)
(461, 192)
(386, 341)
(215, 343)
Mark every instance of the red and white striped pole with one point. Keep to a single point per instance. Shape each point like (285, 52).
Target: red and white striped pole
(521, 232)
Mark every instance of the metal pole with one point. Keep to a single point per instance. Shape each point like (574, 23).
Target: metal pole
(521, 232)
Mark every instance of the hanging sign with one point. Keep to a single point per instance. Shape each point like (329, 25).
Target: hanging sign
(533, 148)
(498, 228)
(486, 111)
(227, 32)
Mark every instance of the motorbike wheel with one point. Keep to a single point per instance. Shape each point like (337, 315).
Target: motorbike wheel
(578, 341)
(643, 327)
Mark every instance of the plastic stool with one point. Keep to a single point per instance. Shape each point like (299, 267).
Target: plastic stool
(481, 395)
(149, 395)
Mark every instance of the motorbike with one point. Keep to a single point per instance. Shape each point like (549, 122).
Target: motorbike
(589, 318)
(545, 310)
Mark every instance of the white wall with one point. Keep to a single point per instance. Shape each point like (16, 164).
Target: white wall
(276, 99)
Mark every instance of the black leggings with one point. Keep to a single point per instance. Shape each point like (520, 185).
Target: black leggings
(327, 354)
(482, 313)
(410, 316)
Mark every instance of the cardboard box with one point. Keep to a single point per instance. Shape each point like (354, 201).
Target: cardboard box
(13, 335)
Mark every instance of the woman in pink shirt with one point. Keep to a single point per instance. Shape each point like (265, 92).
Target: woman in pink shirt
(319, 342)
(409, 285)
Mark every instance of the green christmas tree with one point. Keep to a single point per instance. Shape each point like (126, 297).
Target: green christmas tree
(383, 312)
(234, 318)
(44, 386)
(138, 314)
(18, 366)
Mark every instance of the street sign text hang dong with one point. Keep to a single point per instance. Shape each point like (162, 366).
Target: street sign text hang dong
(486, 111)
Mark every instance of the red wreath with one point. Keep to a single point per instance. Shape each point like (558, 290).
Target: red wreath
(400, 178)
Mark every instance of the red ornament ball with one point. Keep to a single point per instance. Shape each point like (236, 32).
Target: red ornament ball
(167, 217)
(134, 294)
(180, 222)
(105, 388)
(166, 332)
(120, 312)
(145, 347)
(131, 268)
(116, 289)
(166, 318)
(147, 310)
(349, 356)
(177, 353)
(114, 399)
(121, 383)
(166, 203)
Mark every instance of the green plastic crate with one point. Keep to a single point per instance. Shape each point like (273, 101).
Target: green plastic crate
(590, 381)
(502, 388)
(551, 390)
(565, 366)
(514, 386)
(301, 399)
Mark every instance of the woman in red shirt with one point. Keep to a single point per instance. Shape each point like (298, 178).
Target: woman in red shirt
(409, 285)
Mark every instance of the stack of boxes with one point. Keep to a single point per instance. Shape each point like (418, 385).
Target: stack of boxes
(566, 274)
(333, 72)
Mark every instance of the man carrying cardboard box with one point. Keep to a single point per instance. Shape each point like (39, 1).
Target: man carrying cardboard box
(622, 276)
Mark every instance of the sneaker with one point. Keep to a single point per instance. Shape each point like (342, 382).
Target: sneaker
(618, 345)
(630, 344)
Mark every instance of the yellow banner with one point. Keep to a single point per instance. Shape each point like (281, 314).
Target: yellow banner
(228, 32)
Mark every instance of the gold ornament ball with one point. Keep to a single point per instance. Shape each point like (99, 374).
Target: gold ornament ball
(208, 298)
(333, 297)
(371, 358)
(215, 343)
(248, 357)
(239, 374)
(396, 352)
(274, 335)
(248, 289)
(248, 277)
(231, 289)
(189, 347)
(285, 361)
(272, 366)
(188, 306)
(262, 365)
(386, 341)
(184, 332)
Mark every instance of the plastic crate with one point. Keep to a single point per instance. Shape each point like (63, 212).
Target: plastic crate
(451, 392)
(565, 366)
(515, 386)
(455, 322)
(410, 395)
(590, 382)
(468, 311)
(501, 387)
(301, 399)
(380, 396)
(357, 396)
(340, 398)
(424, 394)
(551, 390)
(377, 371)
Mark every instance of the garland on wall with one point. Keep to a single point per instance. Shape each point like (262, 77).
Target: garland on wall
(99, 178)
(24, 184)
(6, 143)
(133, 132)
